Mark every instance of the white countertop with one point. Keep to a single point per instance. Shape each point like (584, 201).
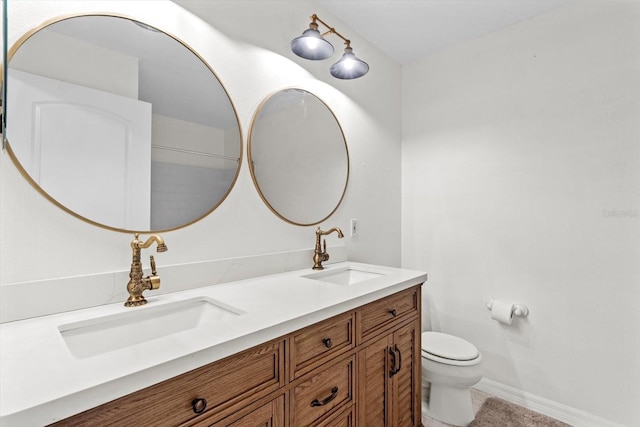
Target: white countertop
(41, 381)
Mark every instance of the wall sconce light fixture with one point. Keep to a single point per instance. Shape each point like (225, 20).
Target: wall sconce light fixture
(312, 45)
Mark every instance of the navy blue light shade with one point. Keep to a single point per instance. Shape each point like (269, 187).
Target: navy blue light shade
(311, 45)
(349, 67)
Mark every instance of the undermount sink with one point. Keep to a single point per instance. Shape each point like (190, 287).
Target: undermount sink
(344, 276)
(179, 319)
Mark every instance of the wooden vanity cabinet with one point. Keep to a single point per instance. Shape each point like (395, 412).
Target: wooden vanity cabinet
(360, 368)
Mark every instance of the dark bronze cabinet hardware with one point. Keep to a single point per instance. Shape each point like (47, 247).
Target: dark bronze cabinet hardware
(399, 359)
(199, 405)
(334, 393)
(392, 371)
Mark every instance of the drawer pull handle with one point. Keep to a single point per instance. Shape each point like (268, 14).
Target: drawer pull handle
(393, 312)
(327, 342)
(334, 393)
(399, 359)
(199, 405)
(392, 371)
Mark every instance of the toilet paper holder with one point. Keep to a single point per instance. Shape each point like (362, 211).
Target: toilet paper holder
(520, 310)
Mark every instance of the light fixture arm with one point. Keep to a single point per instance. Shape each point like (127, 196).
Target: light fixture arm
(332, 30)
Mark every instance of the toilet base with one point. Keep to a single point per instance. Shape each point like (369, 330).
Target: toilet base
(450, 405)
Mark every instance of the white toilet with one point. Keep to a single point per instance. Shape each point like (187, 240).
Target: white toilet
(450, 366)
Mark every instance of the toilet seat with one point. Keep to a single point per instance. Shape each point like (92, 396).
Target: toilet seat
(448, 349)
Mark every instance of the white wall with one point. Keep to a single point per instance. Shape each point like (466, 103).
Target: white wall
(521, 179)
(247, 44)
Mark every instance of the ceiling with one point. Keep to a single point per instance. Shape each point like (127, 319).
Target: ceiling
(407, 30)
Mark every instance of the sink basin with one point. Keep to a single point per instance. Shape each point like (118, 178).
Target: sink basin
(344, 276)
(141, 325)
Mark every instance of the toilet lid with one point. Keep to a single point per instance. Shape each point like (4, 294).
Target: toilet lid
(448, 346)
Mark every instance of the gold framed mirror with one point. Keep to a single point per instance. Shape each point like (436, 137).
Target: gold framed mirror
(3, 72)
(121, 124)
(298, 157)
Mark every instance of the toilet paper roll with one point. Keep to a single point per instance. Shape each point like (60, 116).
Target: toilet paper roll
(502, 311)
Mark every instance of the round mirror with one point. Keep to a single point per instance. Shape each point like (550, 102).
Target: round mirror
(298, 157)
(120, 123)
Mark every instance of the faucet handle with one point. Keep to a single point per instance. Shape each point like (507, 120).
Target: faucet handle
(152, 260)
(154, 279)
(325, 254)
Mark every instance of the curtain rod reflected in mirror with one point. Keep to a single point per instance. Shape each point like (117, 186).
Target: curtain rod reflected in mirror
(129, 128)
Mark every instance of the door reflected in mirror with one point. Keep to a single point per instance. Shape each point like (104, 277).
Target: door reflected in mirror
(298, 157)
(120, 123)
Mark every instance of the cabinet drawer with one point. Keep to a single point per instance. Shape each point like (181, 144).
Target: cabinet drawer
(343, 419)
(382, 314)
(323, 393)
(270, 414)
(224, 385)
(320, 343)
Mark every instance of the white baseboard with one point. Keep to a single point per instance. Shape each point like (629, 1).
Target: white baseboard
(572, 416)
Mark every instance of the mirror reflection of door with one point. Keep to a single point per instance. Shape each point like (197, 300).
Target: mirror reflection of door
(110, 171)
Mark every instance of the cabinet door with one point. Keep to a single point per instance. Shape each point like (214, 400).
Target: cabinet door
(389, 379)
(406, 385)
(373, 381)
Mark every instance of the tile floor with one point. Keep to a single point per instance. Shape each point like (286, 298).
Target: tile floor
(477, 399)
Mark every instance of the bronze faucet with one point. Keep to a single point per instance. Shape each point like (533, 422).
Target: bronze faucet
(320, 253)
(138, 284)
